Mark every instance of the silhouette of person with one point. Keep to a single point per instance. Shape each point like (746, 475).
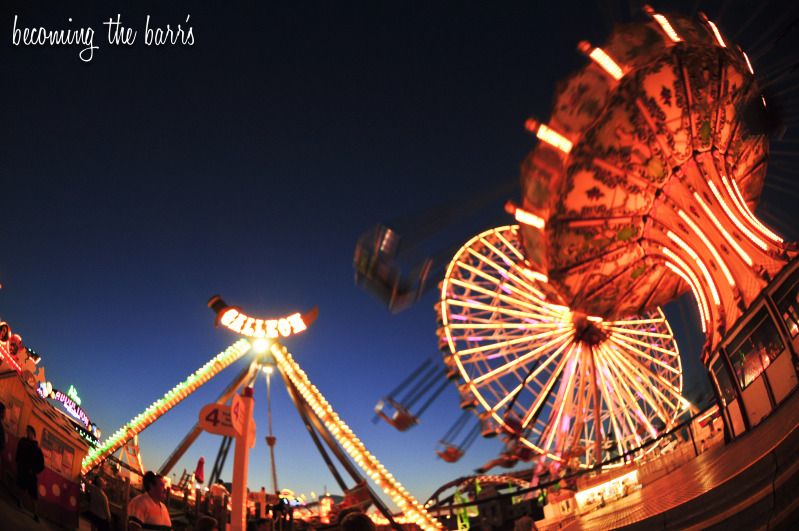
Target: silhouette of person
(30, 463)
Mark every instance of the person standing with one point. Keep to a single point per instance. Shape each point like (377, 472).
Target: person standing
(147, 510)
(99, 509)
(30, 463)
(2, 439)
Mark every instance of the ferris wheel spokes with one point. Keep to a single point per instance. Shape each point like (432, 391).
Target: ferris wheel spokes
(567, 385)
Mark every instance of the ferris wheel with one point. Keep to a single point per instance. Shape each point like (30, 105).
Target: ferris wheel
(569, 386)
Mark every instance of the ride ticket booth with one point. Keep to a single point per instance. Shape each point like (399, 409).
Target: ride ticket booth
(755, 368)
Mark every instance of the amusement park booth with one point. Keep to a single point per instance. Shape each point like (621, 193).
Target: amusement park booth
(63, 447)
(755, 368)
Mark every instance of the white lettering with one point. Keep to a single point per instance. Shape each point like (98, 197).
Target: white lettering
(41, 36)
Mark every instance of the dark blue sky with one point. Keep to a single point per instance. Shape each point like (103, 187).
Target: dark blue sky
(139, 184)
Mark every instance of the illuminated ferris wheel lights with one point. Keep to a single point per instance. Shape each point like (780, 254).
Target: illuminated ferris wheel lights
(475, 305)
(541, 399)
(535, 296)
(502, 369)
(631, 367)
(628, 342)
(636, 332)
(549, 384)
(734, 244)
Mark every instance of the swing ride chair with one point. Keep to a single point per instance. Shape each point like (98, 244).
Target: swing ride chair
(419, 386)
(378, 270)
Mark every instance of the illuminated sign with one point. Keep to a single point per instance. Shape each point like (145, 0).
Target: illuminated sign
(234, 319)
(71, 407)
(73, 394)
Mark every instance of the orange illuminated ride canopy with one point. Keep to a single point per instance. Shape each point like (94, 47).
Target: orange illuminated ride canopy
(645, 182)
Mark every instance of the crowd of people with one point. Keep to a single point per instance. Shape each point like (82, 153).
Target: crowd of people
(148, 511)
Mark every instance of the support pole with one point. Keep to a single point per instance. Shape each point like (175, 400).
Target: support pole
(246, 375)
(241, 461)
(294, 395)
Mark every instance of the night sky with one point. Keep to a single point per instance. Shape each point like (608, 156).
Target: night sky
(138, 184)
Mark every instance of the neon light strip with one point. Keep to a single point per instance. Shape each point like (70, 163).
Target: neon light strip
(739, 199)
(610, 66)
(748, 64)
(636, 322)
(173, 397)
(638, 332)
(687, 248)
(554, 139)
(737, 222)
(498, 309)
(710, 412)
(351, 444)
(682, 269)
(528, 218)
(738, 249)
(716, 33)
(535, 275)
(503, 326)
(11, 361)
(666, 27)
(709, 245)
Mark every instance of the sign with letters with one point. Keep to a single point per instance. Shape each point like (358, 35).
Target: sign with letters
(233, 318)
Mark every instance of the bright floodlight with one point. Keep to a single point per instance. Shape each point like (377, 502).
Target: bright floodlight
(260, 345)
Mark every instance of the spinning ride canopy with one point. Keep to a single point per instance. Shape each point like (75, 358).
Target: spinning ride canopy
(646, 175)
(566, 385)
